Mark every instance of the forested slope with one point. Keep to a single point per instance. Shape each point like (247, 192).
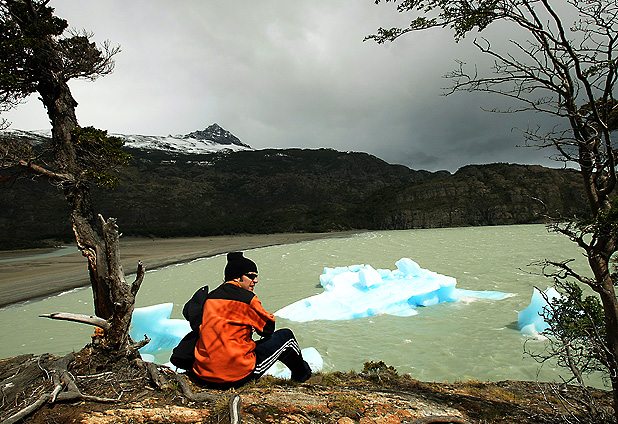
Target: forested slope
(293, 190)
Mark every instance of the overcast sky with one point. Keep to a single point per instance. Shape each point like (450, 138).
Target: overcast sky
(281, 73)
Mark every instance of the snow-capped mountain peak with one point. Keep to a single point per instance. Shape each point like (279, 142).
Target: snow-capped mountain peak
(217, 134)
(210, 140)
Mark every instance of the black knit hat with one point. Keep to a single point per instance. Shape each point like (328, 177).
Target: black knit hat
(238, 265)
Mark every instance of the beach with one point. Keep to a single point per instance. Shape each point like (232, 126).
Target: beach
(34, 277)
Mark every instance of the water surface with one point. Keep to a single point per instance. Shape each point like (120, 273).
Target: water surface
(464, 340)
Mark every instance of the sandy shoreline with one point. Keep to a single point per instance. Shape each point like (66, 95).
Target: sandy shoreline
(37, 277)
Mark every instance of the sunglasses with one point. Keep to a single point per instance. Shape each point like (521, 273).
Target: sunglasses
(251, 276)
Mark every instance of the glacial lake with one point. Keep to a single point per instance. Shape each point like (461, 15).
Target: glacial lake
(469, 339)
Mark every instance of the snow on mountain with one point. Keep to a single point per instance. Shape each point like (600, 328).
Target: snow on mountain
(210, 140)
(176, 144)
(36, 136)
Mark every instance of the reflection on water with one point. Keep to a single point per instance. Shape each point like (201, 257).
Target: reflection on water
(447, 342)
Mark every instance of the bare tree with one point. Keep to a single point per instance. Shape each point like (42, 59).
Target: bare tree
(38, 55)
(569, 71)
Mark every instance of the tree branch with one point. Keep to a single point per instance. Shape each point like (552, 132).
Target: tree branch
(84, 319)
(139, 278)
(39, 170)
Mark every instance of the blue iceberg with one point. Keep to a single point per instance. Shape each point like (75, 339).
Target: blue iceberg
(155, 323)
(530, 320)
(358, 291)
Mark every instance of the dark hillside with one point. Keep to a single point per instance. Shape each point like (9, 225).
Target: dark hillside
(294, 190)
(494, 194)
(250, 192)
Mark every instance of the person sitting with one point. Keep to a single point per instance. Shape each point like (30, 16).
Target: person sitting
(225, 353)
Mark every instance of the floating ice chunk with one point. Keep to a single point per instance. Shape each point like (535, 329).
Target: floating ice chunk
(493, 295)
(358, 291)
(409, 267)
(369, 277)
(154, 322)
(530, 320)
(310, 354)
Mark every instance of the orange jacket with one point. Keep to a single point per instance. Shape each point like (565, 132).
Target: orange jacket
(225, 351)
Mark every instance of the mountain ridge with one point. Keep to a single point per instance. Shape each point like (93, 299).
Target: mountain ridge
(167, 193)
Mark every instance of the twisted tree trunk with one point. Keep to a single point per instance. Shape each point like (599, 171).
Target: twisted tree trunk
(97, 239)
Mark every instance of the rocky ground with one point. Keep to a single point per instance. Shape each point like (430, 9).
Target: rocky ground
(127, 394)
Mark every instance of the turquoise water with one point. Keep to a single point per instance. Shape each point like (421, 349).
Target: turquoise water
(474, 339)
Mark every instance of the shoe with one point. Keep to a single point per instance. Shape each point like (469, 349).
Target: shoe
(306, 376)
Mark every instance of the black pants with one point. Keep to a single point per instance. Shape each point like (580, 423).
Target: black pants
(281, 346)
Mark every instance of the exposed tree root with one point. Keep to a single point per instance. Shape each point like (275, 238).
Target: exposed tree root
(48, 380)
(189, 394)
(64, 387)
(157, 377)
(27, 410)
(233, 399)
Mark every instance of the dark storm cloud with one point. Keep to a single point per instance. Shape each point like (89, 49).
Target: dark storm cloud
(286, 74)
